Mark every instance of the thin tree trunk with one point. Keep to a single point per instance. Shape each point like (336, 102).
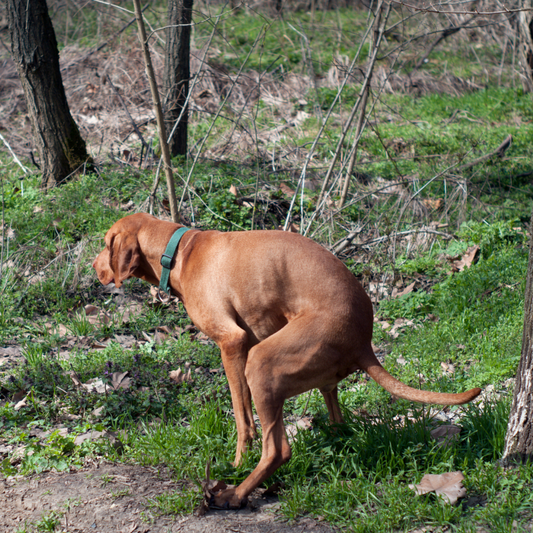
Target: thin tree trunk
(177, 73)
(519, 438)
(165, 153)
(34, 47)
(525, 43)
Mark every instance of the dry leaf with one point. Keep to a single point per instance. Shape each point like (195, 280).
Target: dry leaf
(179, 377)
(467, 259)
(407, 290)
(19, 395)
(91, 310)
(449, 486)
(285, 189)
(160, 337)
(176, 375)
(120, 381)
(233, 190)
(96, 385)
(21, 404)
(74, 377)
(303, 423)
(446, 434)
(90, 435)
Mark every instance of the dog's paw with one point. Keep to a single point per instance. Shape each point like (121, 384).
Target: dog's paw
(227, 499)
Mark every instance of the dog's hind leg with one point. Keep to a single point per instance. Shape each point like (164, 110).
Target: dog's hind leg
(332, 403)
(234, 354)
(291, 361)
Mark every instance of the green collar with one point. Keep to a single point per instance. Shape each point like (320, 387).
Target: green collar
(167, 258)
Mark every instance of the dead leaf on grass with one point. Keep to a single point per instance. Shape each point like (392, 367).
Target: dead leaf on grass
(126, 341)
(119, 380)
(447, 367)
(21, 404)
(96, 385)
(301, 424)
(449, 486)
(446, 434)
(179, 377)
(19, 395)
(96, 316)
(405, 291)
(285, 189)
(56, 329)
(74, 377)
(89, 435)
(466, 261)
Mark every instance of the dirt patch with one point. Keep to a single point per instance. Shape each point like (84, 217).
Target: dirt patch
(115, 498)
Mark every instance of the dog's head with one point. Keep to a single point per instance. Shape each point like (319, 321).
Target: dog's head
(120, 257)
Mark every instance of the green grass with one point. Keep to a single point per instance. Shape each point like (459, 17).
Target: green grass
(355, 476)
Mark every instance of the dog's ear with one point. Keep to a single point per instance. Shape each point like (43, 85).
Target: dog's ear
(124, 256)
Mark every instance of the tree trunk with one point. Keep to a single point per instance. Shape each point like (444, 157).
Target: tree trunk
(177, 73)
(525, 44)
(34, 49)
(519, 438)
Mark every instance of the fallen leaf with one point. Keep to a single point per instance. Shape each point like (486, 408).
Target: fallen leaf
(120, 381)
(446, 434)
(401, 360)
(301, 424)
(285, 189)
(176, 375)
(179, 377)
(449, 486)
(91, 310)
(89, 435)
(407, 290)
(233, 190)
(466, 261)
(74, 377)
(96, 385)
(21, 404)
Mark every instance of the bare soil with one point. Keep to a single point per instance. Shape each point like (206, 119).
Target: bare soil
(105, 498)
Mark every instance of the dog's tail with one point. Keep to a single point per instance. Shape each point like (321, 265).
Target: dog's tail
(399, 389)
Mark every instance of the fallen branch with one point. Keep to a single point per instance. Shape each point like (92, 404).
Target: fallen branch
(499, 152)
(349, 238)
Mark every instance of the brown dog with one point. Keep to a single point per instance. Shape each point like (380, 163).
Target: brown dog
(287, 315)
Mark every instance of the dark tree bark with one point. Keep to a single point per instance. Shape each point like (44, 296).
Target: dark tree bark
(34, 49)
(519, 438)
(177, 73)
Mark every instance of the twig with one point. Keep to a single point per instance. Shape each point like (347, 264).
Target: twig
(355, 108)
(187, 181)
(15, 158)
(499, 152)
(158, 112)
(379, 29)
(450, 30)
(349, 238)
(301, 180)
(135, 127)
(431, 9)
(104, 44)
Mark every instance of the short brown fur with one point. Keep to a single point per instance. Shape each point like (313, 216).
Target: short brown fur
(287, 315)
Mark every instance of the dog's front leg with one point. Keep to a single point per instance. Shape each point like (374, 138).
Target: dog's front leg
(234, 353)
